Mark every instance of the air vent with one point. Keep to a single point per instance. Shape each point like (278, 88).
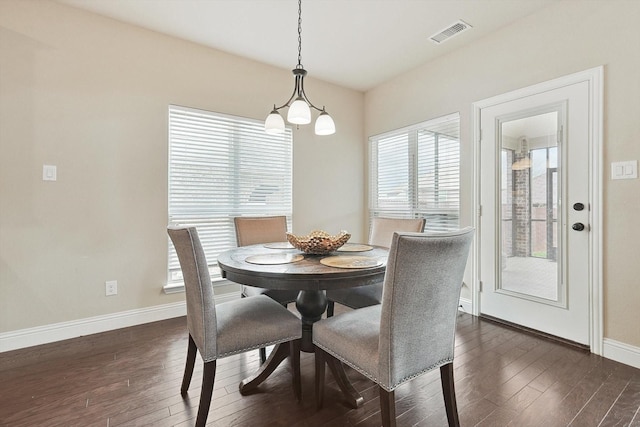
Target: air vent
(452, 30)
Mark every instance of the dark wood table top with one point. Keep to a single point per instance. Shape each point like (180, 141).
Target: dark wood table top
(307, 274)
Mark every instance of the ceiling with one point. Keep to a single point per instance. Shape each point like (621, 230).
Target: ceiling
(353, 43)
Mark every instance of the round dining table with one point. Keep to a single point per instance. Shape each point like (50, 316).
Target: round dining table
(276, 266)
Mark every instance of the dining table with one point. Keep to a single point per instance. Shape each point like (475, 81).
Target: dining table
(278, 265)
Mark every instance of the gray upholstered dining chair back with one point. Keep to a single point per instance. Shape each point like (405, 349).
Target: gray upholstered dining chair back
(419, 303)
(382, 229)
(230, 328)
(201, 311)
(253, 230)
(412, 331)
(380, 234)
(264, 229)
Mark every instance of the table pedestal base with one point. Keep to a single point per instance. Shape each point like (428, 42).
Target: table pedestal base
(311, 305)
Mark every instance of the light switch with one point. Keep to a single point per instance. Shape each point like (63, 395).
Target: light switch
(49, 173)
(624, 170)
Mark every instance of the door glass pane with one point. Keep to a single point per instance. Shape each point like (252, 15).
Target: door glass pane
(529, 206)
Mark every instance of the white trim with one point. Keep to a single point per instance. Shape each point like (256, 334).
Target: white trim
(466, 305)
(621, 352)
(594, 77)
(92, 325)
(173, 288)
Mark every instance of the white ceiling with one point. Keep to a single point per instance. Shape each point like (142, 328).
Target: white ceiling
(354, 43)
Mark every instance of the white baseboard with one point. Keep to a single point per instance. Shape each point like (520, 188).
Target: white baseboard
(465, 305)
(76, 328)
(615, 350)
(621, 352)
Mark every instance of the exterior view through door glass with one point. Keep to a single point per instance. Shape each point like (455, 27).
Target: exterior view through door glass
(529, 206)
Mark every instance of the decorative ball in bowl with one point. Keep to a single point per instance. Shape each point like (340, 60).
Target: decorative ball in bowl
(318, 242)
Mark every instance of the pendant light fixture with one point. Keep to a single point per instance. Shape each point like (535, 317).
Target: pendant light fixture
(299, 105)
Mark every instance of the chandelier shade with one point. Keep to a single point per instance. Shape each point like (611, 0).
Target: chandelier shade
(299, 105)
(299, 112)
(274, 124)
(325, 125)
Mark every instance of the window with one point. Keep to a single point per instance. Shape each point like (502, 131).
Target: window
(222, 166)
(414, 172)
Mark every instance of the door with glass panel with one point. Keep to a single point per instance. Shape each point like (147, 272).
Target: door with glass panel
(534, 225)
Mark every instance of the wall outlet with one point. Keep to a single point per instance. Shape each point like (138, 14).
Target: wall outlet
(111, 287)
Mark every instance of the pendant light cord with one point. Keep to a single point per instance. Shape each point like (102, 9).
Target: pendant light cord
(299, 34)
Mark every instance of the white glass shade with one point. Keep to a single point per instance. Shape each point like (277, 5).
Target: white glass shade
(299, 112)
(325, 124)
(274, 124)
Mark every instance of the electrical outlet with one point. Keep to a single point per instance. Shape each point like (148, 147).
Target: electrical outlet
(111, 287)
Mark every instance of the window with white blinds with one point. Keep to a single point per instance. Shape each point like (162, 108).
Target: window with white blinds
(414, 172)
(222, 166)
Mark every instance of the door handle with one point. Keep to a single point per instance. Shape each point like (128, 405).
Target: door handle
(578, 226)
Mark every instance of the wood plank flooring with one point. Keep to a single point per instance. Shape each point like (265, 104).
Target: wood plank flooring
(131, 377)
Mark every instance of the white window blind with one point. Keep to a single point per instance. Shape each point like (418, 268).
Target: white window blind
(414, 172)
(222, 166)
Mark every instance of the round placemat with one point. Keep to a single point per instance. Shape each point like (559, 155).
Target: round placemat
(354, 247)
(270, 259)
(350, 261)
(278, 245)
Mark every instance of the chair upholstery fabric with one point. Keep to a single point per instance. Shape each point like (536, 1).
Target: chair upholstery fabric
(382, 229)
(251, 323)
(263, 229)
(380, 235)
(231, 327)
(416, 321)
(201, 312)
(260, 229)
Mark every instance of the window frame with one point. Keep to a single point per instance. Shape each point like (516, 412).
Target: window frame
(438, 217)
(224, 163)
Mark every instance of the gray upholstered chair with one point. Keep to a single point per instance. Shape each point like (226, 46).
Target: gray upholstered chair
(380, 235)
(263, 229)
(229, 328)
(412, 331)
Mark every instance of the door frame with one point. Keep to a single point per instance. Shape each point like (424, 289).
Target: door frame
(594, 77)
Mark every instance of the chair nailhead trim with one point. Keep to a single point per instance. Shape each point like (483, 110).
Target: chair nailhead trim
(376, 380)
(231, 353)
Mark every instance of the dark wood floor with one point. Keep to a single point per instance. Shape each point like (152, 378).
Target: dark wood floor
(131, 377)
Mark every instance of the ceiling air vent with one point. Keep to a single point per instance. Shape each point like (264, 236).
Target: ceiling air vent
(452, 30)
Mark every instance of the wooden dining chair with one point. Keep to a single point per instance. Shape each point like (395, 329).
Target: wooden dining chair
(380, 235)
(412, 331)
(217, 331)
(263, 229)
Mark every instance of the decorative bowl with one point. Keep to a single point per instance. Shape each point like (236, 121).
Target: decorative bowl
(318, 242)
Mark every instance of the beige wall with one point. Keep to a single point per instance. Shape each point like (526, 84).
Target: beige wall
(568, 37)
(90, 95)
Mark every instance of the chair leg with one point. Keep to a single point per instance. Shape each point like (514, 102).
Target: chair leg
(330, 307)
(449, 392)
(263, 351)
(387, 407)
(320, 375)
(188, 369)
(208, 376)
(295, 367)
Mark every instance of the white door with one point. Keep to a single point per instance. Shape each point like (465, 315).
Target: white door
(534, 224)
